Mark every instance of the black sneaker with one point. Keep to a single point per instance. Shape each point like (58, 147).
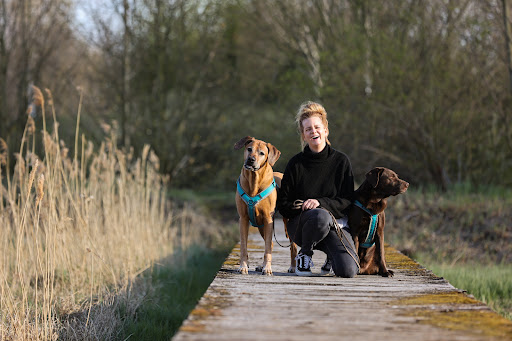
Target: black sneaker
(326, 269)
(304, 264)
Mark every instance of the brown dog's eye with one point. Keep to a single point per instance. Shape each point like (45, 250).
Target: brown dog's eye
(262, 154)
(249, 149)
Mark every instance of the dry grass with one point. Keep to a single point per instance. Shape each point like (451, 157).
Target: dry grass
(453, 228)
(76, 232)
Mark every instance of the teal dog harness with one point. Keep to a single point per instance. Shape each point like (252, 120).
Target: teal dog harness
(374, 220)
(253, 201)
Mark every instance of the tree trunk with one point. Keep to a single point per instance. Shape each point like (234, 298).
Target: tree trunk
(508, 32)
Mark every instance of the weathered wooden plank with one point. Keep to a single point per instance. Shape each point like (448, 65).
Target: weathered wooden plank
(413, 305)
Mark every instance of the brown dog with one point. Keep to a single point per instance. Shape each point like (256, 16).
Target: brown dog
(380, 183)
(256, 197)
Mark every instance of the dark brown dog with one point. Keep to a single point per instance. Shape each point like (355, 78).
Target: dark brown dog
(256, 177)
(380, 183)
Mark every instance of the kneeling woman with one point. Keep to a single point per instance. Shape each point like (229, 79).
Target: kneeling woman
(316, 190)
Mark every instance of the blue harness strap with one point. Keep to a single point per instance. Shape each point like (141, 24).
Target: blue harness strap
(253, 201)
(374, 219)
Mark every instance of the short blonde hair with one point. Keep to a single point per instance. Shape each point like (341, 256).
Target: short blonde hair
(306, 110)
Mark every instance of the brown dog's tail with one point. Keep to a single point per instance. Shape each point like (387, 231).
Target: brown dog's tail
(278, 176)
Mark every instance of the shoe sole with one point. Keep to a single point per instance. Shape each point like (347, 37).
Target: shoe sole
(303, 273)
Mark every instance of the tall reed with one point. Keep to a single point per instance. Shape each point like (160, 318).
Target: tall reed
(78, 237)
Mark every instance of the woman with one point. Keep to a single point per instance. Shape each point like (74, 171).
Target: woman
(318, 186)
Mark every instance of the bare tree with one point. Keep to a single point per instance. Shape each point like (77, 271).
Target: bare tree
(36, 47)
(300, 27)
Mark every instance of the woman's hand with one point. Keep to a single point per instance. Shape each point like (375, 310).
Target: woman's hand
(310, 204)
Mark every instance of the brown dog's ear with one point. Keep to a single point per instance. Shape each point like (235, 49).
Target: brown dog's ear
(243, 141)
(273, 154)
(373, 176)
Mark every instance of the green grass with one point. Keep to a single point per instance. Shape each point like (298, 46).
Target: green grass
(491, 284)
(177, 285)
(465, 190)
(463, 234)
(210, 199)
(219, 205)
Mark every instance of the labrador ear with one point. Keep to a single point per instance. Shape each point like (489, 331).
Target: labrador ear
(243, 141)
(373, 176)
(273, 154)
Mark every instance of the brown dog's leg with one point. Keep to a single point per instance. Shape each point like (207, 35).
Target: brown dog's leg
(259, 268)
(293, 256)
(267, 257)
(293, 249)
(370, 269)
(356, 244)
(379, 252)
(243, 224)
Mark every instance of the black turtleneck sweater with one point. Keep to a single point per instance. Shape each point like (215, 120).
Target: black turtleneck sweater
(325, 176)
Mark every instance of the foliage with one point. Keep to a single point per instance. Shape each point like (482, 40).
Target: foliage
(418, 86)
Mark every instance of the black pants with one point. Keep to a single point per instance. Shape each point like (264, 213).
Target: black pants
(314, 229)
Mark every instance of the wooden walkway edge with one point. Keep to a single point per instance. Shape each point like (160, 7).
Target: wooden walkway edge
(413, 305)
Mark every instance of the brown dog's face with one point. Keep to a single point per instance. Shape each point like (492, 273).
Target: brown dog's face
(257, 152)
(385, 182)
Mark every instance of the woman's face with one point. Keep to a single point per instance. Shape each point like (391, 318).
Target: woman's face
(315, 133)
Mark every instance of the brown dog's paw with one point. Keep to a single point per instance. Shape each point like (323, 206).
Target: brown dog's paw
(267, 270)
(291, 270)
(243, 269)
(387, 273)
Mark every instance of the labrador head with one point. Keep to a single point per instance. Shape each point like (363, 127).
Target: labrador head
(385, 182)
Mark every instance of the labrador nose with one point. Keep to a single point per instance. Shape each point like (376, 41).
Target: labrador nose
(251, 159)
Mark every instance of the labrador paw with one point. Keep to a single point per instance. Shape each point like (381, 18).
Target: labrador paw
(291, 270)
(387, 273)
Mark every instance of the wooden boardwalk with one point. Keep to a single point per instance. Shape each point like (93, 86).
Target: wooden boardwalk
(414, 305)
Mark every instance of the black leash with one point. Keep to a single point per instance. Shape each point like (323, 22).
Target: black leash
(297, 205)
(339, 232)
(273, 228)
